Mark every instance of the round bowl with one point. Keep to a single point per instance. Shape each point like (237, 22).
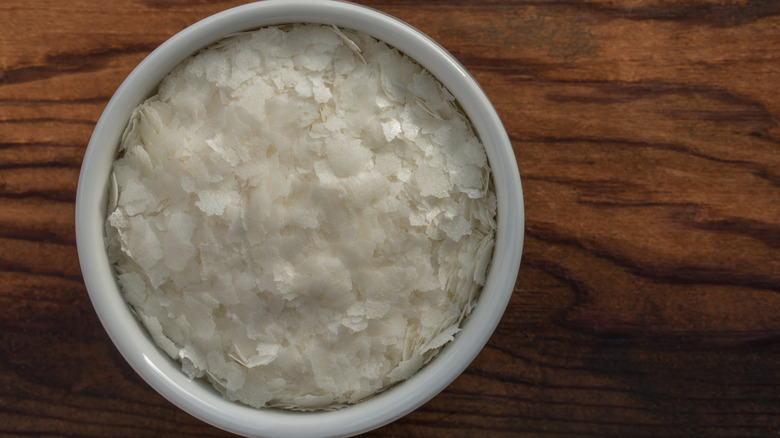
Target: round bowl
(199, 398)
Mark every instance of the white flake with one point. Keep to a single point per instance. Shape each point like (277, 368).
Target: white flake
(391, 129)
(302, 216)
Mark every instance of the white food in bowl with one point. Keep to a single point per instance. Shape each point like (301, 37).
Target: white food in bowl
(303, 216)
(164, 374)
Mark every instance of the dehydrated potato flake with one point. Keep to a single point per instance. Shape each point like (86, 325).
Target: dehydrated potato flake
(301, 215)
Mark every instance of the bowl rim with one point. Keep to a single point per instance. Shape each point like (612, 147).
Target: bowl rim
(198, 398)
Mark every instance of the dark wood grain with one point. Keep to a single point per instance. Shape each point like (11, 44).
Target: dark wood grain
(648, 138)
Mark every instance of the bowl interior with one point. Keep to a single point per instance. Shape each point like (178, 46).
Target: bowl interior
(199, 398)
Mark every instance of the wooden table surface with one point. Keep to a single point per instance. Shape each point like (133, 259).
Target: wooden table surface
(647, 133)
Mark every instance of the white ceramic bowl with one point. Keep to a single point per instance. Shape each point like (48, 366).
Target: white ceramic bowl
(199, 398)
